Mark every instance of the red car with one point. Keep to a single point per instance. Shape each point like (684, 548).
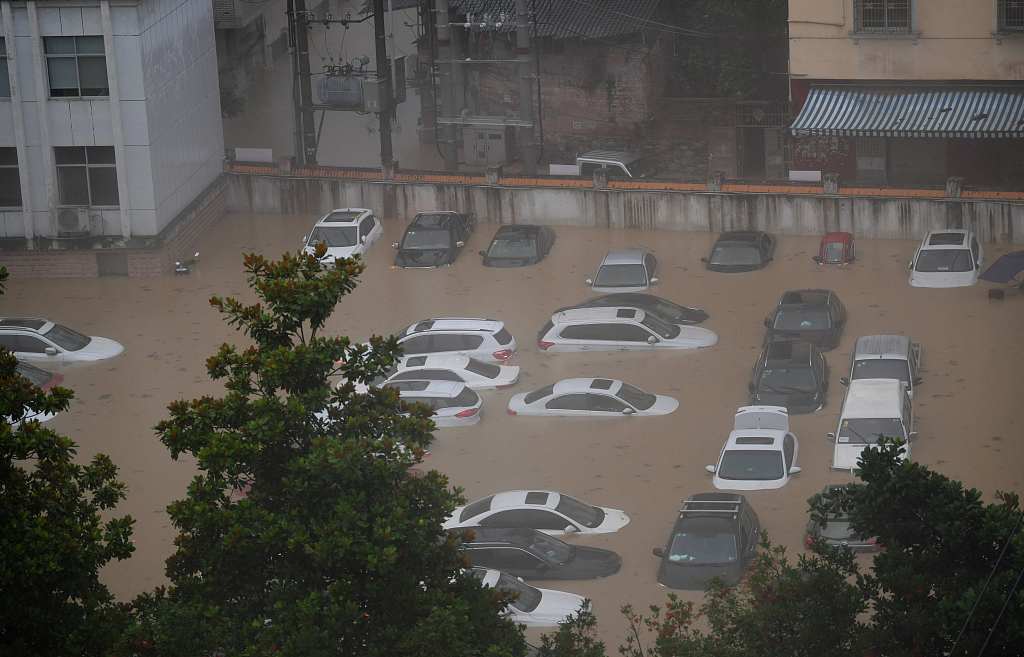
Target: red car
(836, 249)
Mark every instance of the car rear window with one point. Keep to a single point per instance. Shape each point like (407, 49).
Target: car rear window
(465, 398)
(545, 329)
(476, 508)
(483, 369)
(503, 336)
(539, 394)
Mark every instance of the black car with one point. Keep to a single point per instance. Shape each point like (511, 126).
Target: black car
(434, 239)
(518, 246)
(793, 374)
(715, 535)
(834, 528)
(812, 315)
(742, 250)
(672, 313)
(531, 554)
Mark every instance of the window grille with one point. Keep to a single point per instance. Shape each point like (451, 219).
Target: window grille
(883, 16)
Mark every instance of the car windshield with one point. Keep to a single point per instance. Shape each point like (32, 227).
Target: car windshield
(881, 368)
(944, 260)
(702, 548)
(801, 319)
(798, 379)
(334, 235)
(636, 398)
(751, 465)
(834, 252)
(735, 254)
(426, 239)
(476, 508)
(662, 328)
(620, 276)
(66, 338)
(527, 597)
(586, 515)
(869, 430)
(552, 548)
(483, 369)
(512, 247)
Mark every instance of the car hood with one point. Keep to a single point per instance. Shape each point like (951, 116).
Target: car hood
(794, 402)
(943, 278)
(553, 609)
(98, 349)
(748, 484)
(663, 405)
(732, 269)
(696, 578)
(336, 252)
(845, 456)
(517, 403)
(613, 290)
(614, 520)
(508, 262)
(587, 563)
(422, 258)
(693, 337)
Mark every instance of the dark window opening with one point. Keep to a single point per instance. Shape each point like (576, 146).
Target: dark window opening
(76, 66)
(86, 175)
(10, 180)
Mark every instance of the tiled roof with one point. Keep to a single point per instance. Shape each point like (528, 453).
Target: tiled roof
(588, 19)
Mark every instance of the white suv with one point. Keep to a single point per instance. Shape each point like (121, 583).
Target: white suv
(760, 453)
(483, 339)
(346, 232)
(873, 408)
(625, 270)
(618, 329)
(37, 339)
(946, 258)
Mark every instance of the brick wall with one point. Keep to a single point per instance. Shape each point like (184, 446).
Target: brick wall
(177, 242)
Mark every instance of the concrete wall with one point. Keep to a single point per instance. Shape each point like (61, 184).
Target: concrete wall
(956, 41)
(892, 218)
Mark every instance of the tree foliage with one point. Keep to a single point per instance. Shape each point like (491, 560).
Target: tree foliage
(305, 532)
(53, 538)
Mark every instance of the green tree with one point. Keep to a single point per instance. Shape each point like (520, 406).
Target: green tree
(305, 533)
(53, 540)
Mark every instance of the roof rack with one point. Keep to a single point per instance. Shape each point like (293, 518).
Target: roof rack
(711, 506)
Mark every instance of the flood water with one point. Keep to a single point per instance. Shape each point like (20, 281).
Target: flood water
(967, 407)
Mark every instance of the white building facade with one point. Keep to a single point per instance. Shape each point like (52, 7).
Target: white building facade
(110, 122)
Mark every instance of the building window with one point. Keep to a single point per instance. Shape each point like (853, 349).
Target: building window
(1011, 15)
(5, 76)
(10, 181)
(86, 175)
(77, 66)
(882, 16)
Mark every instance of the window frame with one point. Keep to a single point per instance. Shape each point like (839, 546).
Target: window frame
(88, 167)
(1003, 27)
(5, 72)
(885, 30)
(77, 57)
(17, 172)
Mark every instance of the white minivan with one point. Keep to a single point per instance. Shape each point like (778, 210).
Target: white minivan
(873, 408)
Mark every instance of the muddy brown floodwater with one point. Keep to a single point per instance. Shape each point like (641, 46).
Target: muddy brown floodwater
(968, 406)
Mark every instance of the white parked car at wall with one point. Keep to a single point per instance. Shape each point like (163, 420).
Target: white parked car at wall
(454, 404)
(760, 453)
(532, 607)
(546, 511)
(591, 398)
(618, 329)
(484, 339)
(40, 340)
(476, 374)
(947, 258)
(345, 232)
(625, 270)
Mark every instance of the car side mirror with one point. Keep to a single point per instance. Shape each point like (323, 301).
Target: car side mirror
(362, 239)
(571, 529)
(394, 245)
(50, 351)
(817, 259)
(845, 380)
(917, 381)
(589, 281)
(910, 265)
(659, 552)
(483, 254)
(830, 436)
(655, 280)
(794, 470)
(460, 244)
(305, 238)
(710, 468)
(652, 340)
(628, 411)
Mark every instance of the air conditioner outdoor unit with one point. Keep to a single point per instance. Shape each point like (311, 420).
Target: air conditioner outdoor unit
(73, 222)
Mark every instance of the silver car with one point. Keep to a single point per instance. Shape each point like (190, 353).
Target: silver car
(618, 329)
(626, 270)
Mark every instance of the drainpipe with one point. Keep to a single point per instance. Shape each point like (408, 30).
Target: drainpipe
(115, 119)
(42, 97)
(19, 126)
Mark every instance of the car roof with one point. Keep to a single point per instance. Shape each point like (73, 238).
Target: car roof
(344, 216)
(30, 323)
(625, 257)
(946, 239)
(780, 353)
(587, 385)
(447, 362)
(806, 297)
(740, 236)
(519, 498)
(518, 229)
(624, 157)
(712, 505)
(454, 324)
(438, 219)
(441, 389)
(881, 346)
(873, 398)
(756, 440)
(613, 314)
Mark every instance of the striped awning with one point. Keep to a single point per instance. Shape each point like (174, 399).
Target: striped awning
(971, 112)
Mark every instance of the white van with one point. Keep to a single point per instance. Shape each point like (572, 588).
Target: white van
(872, 408)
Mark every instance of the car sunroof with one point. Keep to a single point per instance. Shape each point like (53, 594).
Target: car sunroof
(625, 313)
(535, 497)
(601, 384)
(416, 361)
(755, 440)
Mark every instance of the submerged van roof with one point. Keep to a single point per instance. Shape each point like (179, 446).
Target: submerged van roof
(896, 347)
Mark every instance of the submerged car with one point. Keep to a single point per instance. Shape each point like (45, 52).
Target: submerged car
(345, 232)
(618, 329)
(886, 357)
(836, 249)
(547, 511)
(873, 409)
(671, 312)
(946, 258)
(760, 453)
(518, 245)
(591, 398)
(44, 381)
(715, 536)
(834, 528)
(434, 239)
(476, 374)
(531, 607)
(38, 339)
(531, 554)
(790, 374)
(816, 316)
(741, 250)
(484, 339)
(454, 404)
(625, 270)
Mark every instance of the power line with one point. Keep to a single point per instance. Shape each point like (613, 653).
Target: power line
(1006, 603)
(674, 29)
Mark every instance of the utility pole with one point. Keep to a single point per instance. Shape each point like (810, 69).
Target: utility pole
(525, 66)
(449, 148)
(384, 77)
(302, 92)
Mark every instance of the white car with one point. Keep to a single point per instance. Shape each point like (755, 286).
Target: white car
(43, 380)
(454, 404)
(760, 453)
(483, 339)
(873, 408)
(625, 270)
(618, 329)
(476, 374)
(546, 511)
(947, 258)
(591, 398)
(38, 339)
(345, 232)
(533, 607)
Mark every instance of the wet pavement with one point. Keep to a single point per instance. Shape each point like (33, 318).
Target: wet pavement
(968, 423)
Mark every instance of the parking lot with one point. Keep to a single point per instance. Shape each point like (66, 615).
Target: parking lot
(967, 406)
